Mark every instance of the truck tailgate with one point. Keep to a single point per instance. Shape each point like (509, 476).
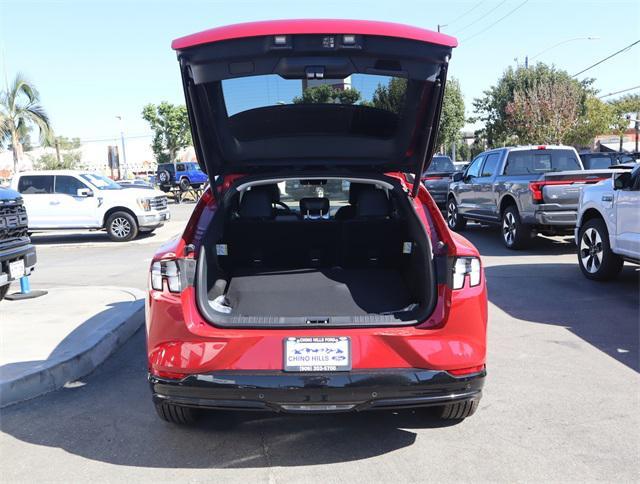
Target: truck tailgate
(562, 189)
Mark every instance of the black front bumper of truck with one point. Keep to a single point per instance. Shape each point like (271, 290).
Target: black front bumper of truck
(13, 251)
(356, 390)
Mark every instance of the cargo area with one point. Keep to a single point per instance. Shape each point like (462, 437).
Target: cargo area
(365, 262)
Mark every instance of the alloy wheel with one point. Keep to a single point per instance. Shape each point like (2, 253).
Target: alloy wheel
(121, 227)
(591, 250)
(509, 228)
(452, 214)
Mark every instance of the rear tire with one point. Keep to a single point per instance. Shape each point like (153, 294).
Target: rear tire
(515, 234)
(121, 227)
(457, 411)
(455, 221)
(175, 414)
(595, 257)
(185, 185)
(3, 291)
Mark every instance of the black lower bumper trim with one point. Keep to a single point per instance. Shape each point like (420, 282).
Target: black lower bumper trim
(318, 392)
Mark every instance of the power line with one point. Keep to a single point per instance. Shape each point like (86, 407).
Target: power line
(483, 16)
(497, 21)
(607, 58)
(619, 92)
(467, 12)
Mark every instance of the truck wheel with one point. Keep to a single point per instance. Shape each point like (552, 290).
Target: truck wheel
(455, 221)
(515, 234)
(3, 291)
(122, 227)
(595, 257)
(164, 178)
(458, 411)
(184, 185)
(175, 414)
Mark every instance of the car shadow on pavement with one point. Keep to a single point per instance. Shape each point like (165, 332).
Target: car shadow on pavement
(604, 314)
(109, 417)
(53, 238)
(488, 241)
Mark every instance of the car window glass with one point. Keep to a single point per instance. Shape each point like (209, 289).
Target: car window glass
(491, 165)
(68, 185)
(597, 162)
(440, 164)
(474, 168)
(180, 167)
(526, 162)
(38, 184)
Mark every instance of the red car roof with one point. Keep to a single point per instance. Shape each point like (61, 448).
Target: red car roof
(313, 26)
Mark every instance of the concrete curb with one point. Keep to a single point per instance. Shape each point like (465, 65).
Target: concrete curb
(91, 346)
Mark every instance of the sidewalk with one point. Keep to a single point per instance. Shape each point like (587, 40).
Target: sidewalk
(62, 336)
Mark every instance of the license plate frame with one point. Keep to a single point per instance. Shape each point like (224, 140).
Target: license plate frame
(316, 353)
(16, 269)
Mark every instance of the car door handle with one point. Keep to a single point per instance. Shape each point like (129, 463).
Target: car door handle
(54, 202)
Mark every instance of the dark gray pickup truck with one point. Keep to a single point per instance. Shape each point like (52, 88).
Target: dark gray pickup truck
(17, 255)
(528, 190)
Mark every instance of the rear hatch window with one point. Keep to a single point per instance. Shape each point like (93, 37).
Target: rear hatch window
(531, 162)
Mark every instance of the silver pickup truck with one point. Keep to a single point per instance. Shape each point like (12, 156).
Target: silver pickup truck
(528, 190)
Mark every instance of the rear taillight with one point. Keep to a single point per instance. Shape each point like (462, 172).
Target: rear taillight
(536, 186)
(424, 178)
(166, 270)
(464, 266)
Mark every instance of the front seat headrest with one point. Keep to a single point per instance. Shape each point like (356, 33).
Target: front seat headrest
(256, 203)
(354, 190)
(372, 202)
(313, 208)
(272, 189)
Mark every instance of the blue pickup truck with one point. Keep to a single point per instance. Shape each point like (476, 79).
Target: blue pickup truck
(180, 175)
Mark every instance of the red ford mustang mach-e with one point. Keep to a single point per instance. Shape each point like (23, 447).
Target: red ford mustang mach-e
(316, 274)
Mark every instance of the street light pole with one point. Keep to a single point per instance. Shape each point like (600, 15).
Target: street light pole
(566, 41)
(124, 154)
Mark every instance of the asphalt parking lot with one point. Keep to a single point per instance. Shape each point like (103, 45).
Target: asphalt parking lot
(561, 403)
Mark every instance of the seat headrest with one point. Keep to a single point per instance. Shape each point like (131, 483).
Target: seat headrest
(312, 207)
(372, 202)
(354, 190)
(273, 190)
(256, 204)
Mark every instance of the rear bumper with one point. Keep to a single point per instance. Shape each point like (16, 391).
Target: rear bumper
(563, 218)
(356, 390)
(25, 252)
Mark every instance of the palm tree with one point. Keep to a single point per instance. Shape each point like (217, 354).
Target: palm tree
(20, 109)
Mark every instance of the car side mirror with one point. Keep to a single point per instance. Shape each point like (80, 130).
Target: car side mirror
(458, 176)
(84, 192)
(621, 180)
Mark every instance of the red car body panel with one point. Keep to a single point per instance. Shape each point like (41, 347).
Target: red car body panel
(313, 26)
(181, 342)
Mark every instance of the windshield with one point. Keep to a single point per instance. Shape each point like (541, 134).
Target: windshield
(101, 182)
(440, 163)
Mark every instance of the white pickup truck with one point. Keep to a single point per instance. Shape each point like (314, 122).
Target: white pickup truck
(68, 199)
(608, 226)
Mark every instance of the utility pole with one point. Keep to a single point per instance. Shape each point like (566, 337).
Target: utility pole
(124, 154)
(526, 61)
(440, 26)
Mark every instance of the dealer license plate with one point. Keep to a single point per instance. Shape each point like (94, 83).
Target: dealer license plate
(16, 269)
(317, 354)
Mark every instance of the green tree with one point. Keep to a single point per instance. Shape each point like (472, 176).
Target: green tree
(49, 161)
(171, 130)
(599, 117)
(629, 104)
(20, 111)
(452, 117)
(491, 108)
(392, 96)
(546, 112)
(325, 94)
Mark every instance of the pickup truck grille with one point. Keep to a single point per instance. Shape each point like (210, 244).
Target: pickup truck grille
(13, 221)
(159, 203)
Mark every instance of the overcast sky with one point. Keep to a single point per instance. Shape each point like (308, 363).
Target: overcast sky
(94, 60)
